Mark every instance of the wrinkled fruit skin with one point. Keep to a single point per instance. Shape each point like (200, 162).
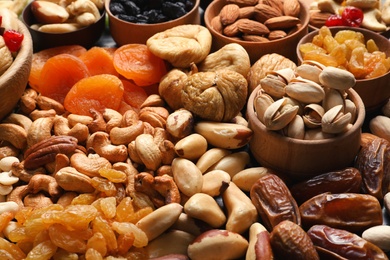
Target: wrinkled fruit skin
(373, 161)
(331, 241)
(349, 211)
(290, 241)
(273, 201)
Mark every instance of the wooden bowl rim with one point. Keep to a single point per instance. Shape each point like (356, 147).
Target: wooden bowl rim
(145, 26)
(248, 43)
(339, 28)
(23, 57)
(352, 94)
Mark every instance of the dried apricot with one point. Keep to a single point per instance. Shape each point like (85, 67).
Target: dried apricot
(39, 59)
(133, 95)
(95, 92)
(137, 63)
(59, 74)
(99, 61)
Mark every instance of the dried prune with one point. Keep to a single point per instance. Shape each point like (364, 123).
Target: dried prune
(346, 245)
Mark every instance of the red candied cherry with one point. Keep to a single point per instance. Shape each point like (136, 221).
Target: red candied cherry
(352, 16)
(334, 20)
(13, 40)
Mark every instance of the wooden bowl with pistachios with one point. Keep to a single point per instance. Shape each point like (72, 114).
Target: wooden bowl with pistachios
(305, 123)
(51, 24)
(260, 28)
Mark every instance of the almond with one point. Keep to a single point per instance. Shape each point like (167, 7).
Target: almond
(229, 14)
(291, 8)
(318, 18)
(254, 38)
(264, 12)
(231, 30)
(282, 22)
(276, 34)
(216, 24)
(242, 3)
(247, 26)
(277, 4)
(246, 12)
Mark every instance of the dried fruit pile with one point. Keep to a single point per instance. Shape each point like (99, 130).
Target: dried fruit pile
(132, 180)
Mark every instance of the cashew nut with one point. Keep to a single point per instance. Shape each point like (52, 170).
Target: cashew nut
(372, 20)
(385, 9)
(39, 130)
(99, 142)
(113, 119)
(62, 127)
(89, 165)
(13, 134)
(6, 163)
(329, 6)
(80, 7)
(18, 119)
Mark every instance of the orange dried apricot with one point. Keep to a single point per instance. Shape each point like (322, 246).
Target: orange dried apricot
(133, 95)
(59, 74)
(39, 59)
(95, 92)
(99, 61)
(137, 63)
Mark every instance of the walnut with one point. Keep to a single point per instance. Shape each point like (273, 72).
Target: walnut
(267, 63)
(216, 96)
(181, 45)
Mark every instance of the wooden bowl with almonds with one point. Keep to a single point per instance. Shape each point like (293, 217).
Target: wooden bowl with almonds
(260, 28)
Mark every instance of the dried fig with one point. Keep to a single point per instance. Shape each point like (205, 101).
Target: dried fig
(181, 45)
(216, 96)
(231, 56)
(170, 88)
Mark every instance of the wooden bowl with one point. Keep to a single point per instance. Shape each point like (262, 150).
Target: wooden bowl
(302, 159)
(374, 92)
(285, 46)
(86, 36)
(126, 32)
(13, 82)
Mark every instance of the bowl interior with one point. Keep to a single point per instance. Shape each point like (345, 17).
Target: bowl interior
(86, 36)
(303, 159)
(124, 32)
(284, 46)
(374, 92)
(14, 80)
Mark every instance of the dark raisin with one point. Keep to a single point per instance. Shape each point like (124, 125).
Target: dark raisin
(117, 8)
(142, 19)
(189, 5)
(173, 10)
(127, 18)
(131, 8)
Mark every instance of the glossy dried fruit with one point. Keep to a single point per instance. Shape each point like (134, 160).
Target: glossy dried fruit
(341, 181)
(290, 241)
(273, 201)
(373, 161)
(353, 212)
(332, 242)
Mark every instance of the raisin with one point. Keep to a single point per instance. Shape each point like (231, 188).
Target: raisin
(173, 10)
(127, 18)
(117, 8)
(131, 8)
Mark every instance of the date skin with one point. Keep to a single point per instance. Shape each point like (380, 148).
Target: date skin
(273, 201)
(336, 243)
(353, 212)
(373, 162)
(342, 181)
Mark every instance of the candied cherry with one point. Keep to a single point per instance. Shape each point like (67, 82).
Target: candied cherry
(352, 16)
(13, 40)
(334, 20)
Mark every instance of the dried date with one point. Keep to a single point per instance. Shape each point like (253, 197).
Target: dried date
(289, 241)
(333, 243)
(350, 211)
(273, 201)
(373, 162)
(341, 181)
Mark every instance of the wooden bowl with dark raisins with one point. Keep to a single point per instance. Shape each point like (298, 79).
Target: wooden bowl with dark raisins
(136, 21)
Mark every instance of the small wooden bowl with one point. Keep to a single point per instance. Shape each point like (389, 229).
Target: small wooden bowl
(85, 37)
(125, 32)
(302, 159)
(13, 82)
(374, 92)
(285, 46)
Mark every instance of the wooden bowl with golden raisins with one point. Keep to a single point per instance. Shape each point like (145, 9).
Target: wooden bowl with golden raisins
(363, 52)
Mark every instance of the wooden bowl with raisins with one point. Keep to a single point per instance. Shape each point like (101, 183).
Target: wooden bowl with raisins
(363, 52)
(136, 21)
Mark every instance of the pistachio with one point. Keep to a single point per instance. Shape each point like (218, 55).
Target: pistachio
(279, 114)
(337, 78)
(261, 103)
(335, 121)
(296, 128)
(313, 114)
(333, 97)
